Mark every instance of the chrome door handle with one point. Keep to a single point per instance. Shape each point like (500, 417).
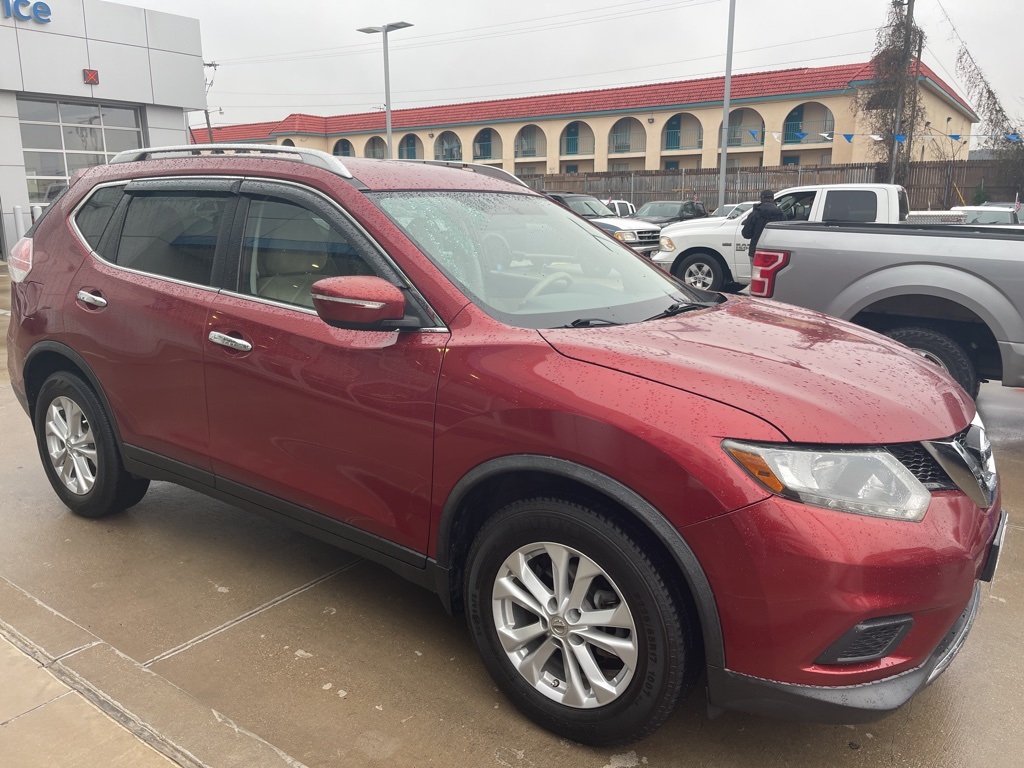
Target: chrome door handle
(91, 298)
(230, 342)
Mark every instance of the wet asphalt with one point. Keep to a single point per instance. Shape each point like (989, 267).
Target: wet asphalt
(222, 639)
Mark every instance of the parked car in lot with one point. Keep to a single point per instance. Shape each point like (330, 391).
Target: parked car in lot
(626, 484)
(640, 236)
(664, 212)
(621, 208)
(988, 214)
(712, 253)
(733, 210)
(954, 294)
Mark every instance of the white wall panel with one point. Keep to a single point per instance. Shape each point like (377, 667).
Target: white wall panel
(10, 64)
(54, 64)
(178, 79)
(115, 23)
(174, 33)
(124, 72)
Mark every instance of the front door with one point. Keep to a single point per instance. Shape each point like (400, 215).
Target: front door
(335, 421)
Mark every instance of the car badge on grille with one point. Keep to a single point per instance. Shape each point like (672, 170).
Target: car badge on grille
(968, 460)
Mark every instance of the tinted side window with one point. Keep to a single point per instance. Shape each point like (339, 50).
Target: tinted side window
(172, 234)
(94, 216)
(287, 248)
(851, 205)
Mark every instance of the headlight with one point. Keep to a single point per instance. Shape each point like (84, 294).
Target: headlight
(626, 237)
(864, 482)
(667, 244)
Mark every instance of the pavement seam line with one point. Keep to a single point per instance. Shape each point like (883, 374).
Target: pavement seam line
(247, 615)
(44, 606)
(73, 651)
(38, 707)
(123, 717)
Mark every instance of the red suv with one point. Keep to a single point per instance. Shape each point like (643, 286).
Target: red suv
(623, 482)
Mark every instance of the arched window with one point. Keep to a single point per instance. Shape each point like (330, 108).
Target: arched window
(448, 147)
(343, 148)
(287, 143)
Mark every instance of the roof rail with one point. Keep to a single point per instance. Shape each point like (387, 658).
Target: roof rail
(313, 157)
(485, 170)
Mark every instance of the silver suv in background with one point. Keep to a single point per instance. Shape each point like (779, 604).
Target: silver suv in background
(642, 237)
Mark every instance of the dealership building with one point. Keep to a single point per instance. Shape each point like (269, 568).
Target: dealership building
(81, 80)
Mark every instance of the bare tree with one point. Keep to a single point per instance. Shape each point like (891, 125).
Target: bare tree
(892, 98)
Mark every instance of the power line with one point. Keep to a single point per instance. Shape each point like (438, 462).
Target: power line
(428, 102)
(362, 50)
(549, 79)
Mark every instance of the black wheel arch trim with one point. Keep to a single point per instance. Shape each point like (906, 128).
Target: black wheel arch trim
(644, 511)
(66, 351)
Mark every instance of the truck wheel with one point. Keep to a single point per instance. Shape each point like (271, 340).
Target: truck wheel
(940, 349)
(576, 624)
(701, 270)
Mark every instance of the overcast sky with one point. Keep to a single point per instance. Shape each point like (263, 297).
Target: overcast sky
(306, 56)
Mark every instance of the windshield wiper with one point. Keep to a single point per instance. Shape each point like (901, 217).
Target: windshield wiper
(589, 322)
(683, 306)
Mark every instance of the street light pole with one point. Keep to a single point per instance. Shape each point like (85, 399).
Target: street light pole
(723, 160)
(383, 30)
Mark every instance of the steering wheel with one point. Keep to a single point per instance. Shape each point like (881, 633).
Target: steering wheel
(546, 283)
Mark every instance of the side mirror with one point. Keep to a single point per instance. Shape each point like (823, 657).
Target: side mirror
(359, 302)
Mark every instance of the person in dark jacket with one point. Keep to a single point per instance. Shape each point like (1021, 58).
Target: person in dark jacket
(760, 215)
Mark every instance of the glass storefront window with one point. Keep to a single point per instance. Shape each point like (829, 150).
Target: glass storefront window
(40, 136)
(78, 135)
(45, 164)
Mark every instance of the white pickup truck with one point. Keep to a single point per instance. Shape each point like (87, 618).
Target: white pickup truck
(712, 253)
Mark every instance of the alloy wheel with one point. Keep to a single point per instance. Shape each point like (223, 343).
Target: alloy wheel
(70, 445)
(564, 625)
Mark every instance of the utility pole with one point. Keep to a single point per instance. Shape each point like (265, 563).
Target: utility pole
(904, 67)
(209, 85)
(723, 161)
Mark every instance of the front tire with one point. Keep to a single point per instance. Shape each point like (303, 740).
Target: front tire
(701, 270)
(576, 624)
(79, 451)
(943, 351)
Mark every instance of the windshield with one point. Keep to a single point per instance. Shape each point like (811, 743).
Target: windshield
(990, 217)
(590, 207)
(528, 262)
(739, 210)
(659, 209)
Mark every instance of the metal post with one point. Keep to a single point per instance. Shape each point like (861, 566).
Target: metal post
(387, 90)
(905, 64)
(723, 161)
(209, 125)
(19, 222)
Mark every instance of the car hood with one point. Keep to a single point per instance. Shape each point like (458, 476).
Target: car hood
(632, 225)
(708, 223)
(661, 220)
(815, 378)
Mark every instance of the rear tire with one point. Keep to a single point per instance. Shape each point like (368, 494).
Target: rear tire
(701, 270)
(943, 351)
(576, 624)
(79, 450)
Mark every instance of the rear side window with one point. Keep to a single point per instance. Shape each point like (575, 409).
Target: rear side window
(95, 215)
(859, 205)
(173, 234)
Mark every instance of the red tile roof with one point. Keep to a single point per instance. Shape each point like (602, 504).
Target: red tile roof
(228, 133)
(750, 86)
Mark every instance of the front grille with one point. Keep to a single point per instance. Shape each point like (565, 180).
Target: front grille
(916, 458)
(870, 640)
(649, 236)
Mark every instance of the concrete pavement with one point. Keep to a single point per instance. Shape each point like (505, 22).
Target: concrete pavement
(188, 630)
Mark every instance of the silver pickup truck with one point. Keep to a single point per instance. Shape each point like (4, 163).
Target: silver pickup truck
(954, 295)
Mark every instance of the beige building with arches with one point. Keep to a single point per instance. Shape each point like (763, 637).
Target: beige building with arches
(784, 117)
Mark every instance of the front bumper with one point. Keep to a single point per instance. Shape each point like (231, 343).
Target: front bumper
(845, 704)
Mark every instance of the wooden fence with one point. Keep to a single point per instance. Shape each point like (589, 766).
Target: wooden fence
(930, 185)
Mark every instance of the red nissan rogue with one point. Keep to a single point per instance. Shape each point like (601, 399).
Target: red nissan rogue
(624, 483)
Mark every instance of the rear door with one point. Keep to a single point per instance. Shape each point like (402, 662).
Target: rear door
(310, 417)
(137, 309)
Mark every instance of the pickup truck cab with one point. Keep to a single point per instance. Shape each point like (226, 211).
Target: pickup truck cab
(712, 253)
